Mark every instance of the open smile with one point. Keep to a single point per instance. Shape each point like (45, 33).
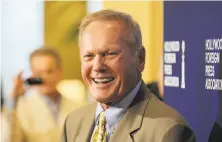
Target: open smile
(104, 80)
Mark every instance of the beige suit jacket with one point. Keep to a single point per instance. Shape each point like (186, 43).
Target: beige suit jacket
(146, 120)
(33, 119)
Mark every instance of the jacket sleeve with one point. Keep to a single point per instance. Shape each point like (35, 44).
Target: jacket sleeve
(178, 133)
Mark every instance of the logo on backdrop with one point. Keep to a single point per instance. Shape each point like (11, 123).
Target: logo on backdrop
(213, 47)
(171, 51)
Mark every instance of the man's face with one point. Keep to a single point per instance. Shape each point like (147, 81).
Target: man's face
(45, 67)
(109, 66)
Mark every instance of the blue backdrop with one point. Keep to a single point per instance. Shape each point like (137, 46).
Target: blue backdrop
(198, 27)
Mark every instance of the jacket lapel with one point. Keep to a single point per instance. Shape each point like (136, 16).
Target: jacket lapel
(132, 120)
(87, 125)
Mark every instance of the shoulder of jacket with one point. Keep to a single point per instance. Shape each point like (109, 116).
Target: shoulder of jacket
(81, 112)
(163, 112)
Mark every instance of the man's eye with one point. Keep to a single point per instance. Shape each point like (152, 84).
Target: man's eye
(88, 55)
(112, 54)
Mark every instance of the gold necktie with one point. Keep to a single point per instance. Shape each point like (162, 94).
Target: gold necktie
(99, 134)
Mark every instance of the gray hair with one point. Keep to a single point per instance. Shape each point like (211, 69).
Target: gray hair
(135, 40)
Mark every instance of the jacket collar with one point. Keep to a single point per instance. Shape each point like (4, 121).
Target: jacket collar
(130, 123)
(132, 120)
(87, 125)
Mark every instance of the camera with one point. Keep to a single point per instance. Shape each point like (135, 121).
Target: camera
(34, 81)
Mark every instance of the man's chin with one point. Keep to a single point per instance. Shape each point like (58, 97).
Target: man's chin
(103, 100)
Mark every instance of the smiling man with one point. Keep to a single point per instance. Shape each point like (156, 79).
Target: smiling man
(112, 58)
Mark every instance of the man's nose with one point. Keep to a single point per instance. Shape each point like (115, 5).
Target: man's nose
(99, 64)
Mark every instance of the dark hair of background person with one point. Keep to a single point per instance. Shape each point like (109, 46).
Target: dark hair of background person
(2, 99)
(153, 86)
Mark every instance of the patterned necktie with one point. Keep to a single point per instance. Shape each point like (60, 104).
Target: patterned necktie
(99, 134)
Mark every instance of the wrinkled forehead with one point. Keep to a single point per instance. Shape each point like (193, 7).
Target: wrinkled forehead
(114, 26)
(112, 31)
(120, 24)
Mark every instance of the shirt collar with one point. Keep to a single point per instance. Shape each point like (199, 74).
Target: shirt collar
(50, 101)
(116, 112)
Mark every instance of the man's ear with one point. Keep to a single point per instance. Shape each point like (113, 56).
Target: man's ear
(142, 58)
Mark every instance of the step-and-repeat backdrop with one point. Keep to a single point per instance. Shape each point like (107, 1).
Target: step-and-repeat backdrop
(193, 65)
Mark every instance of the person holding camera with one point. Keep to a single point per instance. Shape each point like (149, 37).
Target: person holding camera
(40, 110)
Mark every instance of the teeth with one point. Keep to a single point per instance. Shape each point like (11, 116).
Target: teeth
(103, 80)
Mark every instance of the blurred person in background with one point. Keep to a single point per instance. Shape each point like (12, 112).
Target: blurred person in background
(112, 59)
(4, 121)
(40, 109)
(157, 87)
(216, 131)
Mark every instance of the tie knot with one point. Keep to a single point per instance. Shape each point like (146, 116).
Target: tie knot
(102, 119)
(102, 114)
(99, 134)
